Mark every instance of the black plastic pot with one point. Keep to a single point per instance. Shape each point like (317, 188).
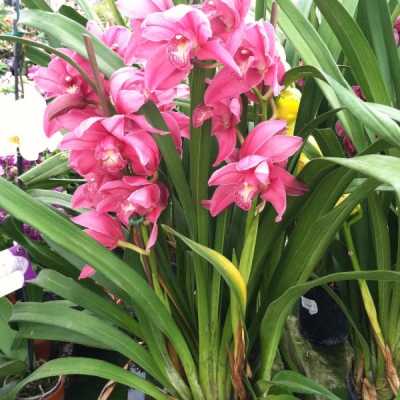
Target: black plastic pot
(321, 321)
(350, 386)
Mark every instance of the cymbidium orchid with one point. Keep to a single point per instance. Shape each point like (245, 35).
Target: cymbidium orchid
(115, 37)
(184, 118)
(103, 228)
(110, 144)
(259, 170)
(182, 33)
(134, 195)
(225, 115)
(258, 60)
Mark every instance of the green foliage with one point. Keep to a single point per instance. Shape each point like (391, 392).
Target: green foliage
(237, 275)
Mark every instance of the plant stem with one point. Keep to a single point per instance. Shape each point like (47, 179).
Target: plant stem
(366, 295)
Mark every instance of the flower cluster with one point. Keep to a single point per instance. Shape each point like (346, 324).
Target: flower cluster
(118, 155)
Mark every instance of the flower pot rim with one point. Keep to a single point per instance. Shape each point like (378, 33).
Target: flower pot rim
(60, 382)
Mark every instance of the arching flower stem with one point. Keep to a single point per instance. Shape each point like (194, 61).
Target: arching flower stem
(201, 64)
(96, 74)
(263, 104)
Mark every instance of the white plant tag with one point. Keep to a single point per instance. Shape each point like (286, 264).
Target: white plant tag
(15, 268)
(309, 305)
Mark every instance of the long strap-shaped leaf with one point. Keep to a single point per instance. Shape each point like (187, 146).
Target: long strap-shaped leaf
(357, 50)
(70, 237)
(382, 168)
(86, 366)
(373, 119)
(313, 51)
(277, 312)
(229, 272)
(34, 319)
(70, 33)
(383, 42)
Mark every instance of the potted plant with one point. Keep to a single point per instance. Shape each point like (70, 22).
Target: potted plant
(17, 361)
(245, 250)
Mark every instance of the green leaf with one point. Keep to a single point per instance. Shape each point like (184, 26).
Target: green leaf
(171, 158)
(6, 333)
(53, 166)
(89, 11)
(37, 56)
(69, 237)
(72, 14)
(41, 321)
(38, 4)
(40, 253)
(14, 367)
(382, 168)
(375, 121)
(277, 312)
(228, 271)
(70, 33)
(313, 51)
(51, 50)
(357, 50)
(381, 33)
(116, 15)
(87, 366)
(78, 294)
(295, 382)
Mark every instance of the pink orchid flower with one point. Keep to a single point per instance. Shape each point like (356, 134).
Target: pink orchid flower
(69, 120)
(110, 144)
(129, 93)
(181, 32)
(258, 60)
(134, 194)
(227, 20)
(87, 195)
(103, 228)
(138, 10)
(61, 78)
(258, 171)
(225, 116)
(115, 37)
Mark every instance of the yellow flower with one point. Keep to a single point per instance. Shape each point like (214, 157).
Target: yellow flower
(287, 107)
(303, 160)
(344, 197)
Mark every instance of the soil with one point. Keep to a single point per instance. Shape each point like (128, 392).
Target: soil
(37, 387)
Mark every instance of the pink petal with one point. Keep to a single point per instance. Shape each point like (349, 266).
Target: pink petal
(280, 147)
(153, 237)
(249, 162)
(292, 186)
(226, 141)
(102, 223)
(260, 135)
(115, 125)
(262, 172)
(102, 238)
(276, 195)
(200, 114)
(226, 85)
(226, 175)
(86, 272)
(160, 73)
(213, 50)
(221, 199)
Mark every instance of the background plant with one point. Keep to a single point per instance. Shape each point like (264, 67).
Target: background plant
(245, 269)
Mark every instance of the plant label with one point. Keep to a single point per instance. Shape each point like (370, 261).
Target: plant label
(309, 305)
(15, 269)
